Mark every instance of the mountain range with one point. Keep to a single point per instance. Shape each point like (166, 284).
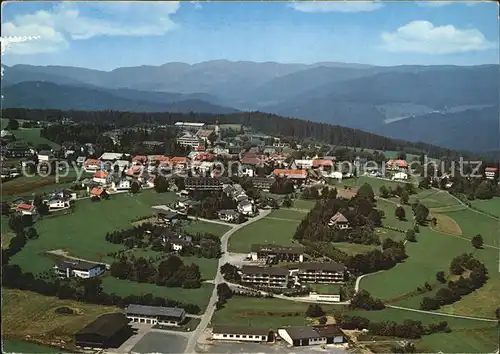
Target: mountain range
(448, 106)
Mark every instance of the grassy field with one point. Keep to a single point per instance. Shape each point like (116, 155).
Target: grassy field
(353, 248)
(435, 199)
(82, 232)
(120, 287)
(208, 266)
(326, 288)
(431, 253)
(467, 336)
(32, 135)
(264, 313)
(390, 218)
(303, 204)
(202, 227)
(473, 223)
(25, 313)
(491, 206)
(21, 346)
(261, 232)
(288, 214)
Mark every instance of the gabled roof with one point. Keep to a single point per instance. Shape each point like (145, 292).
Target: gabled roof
(338, 217)
(399, 163)
(97, 191)
(297, 333)
(155, 310)
(290, 173)
(92, 162)
(324, 163)
(25, 206)
(329, 330)
(106, 325)
(100, 174)
(248, 269)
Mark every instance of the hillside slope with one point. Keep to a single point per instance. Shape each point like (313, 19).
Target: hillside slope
(48, 95)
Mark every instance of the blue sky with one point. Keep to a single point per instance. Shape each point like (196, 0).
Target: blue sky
(106, 35)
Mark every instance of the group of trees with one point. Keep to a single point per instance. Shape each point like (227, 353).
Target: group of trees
(224, 293)
(230, 273)
(402, 192)
(364, 300)
(316, 193)
(282, 185)
(408, 329)
(460, 265)
(171, 272)
(420, 212)
(360, 211)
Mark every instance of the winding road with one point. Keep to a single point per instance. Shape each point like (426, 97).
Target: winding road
(207, 316)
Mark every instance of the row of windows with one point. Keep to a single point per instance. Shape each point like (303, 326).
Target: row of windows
(243, 336)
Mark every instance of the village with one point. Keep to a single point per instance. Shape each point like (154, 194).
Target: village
(217, 183)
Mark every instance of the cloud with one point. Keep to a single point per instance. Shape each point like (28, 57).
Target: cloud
(424, 37)
(79, 21)
(197, 5)
(340, 6)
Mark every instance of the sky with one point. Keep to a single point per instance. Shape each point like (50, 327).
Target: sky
(106, 35)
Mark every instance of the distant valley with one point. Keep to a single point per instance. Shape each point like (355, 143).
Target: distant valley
(442, 105)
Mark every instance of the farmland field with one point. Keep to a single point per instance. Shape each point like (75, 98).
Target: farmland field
(82, 232)
(32, 135)
(473, 223)
(438, 199)
(491, 206)
(25, 313)
(353, 248)
(195, 227)
(264, 231)
(264, 313)
(288, 214)
(390, 218)
(303, 204)
(124, 288)
(431, 253)
(469, 336)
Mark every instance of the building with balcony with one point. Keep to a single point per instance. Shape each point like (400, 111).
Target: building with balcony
(265, 277)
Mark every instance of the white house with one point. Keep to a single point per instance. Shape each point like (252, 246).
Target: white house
(58, 204)
(121, 185)
(304, 164)
(324, 297)
(301, 336)
(240, 334)
(163, 316)
(112, 156)
(245, 207)
(335, 175)
(228, 215)
(400, 176)
(45, 156)
(92, 165)
(79, 269)
(101, 177)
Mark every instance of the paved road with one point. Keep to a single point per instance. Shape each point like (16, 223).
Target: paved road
(207, 316)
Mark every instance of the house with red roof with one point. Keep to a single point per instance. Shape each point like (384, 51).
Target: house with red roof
(140, 159)
(297, 175)
(91, 165)
(101, 177)
(26, 209)
(98, 193)
(397, 165)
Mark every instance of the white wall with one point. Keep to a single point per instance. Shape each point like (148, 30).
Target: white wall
(242, 338)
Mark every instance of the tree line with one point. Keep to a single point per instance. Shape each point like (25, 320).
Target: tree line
(409, 329)
(272, 124)
(171, 272)
(455, 290)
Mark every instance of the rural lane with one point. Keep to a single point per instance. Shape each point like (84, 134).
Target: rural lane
(443, 314)
(207, 316)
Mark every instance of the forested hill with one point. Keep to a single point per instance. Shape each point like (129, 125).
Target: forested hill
(263, 122)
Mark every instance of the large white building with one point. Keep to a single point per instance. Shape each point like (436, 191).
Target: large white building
(79, 269)
(243, 334)
(189, 139)
(163, 316)
(315, 335)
